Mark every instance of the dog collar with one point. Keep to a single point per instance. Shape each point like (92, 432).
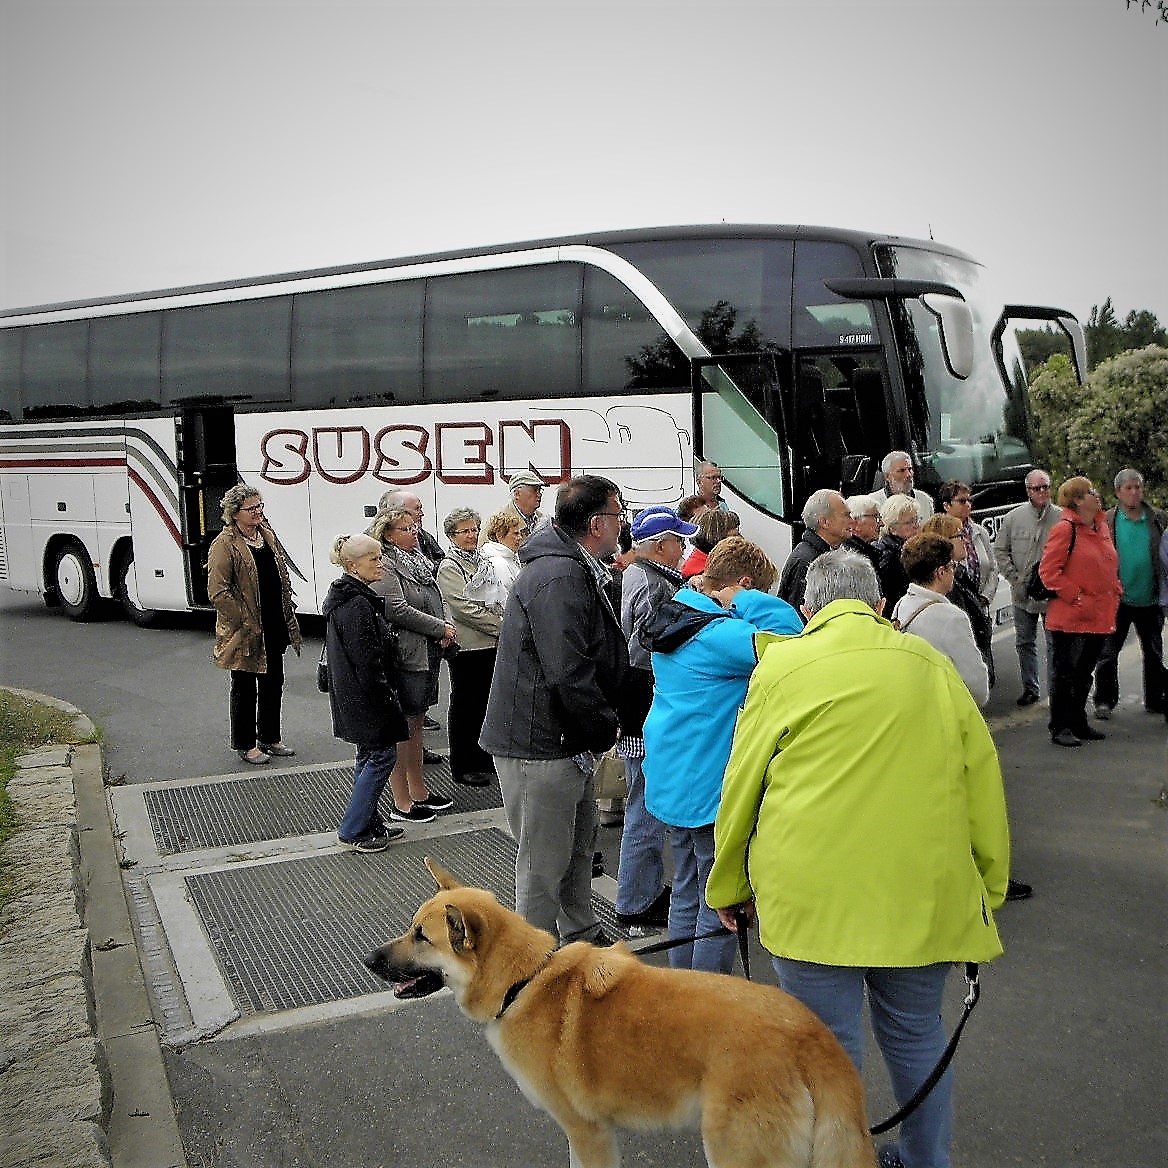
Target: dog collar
(512, 993)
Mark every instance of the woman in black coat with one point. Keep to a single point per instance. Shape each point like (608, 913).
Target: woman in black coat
(361, 692)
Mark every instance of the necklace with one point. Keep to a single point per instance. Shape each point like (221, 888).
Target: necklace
(254, 541)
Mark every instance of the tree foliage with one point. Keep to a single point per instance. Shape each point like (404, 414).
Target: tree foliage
(1119, 418)
(1107, 337)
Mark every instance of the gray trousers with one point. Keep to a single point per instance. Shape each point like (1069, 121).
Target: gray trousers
(551, 812)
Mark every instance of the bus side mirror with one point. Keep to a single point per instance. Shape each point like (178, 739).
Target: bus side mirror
(956, 326)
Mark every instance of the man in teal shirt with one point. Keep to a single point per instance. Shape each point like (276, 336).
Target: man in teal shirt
(1137, 529)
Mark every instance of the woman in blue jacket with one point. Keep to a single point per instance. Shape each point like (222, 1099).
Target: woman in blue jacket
(703, 646)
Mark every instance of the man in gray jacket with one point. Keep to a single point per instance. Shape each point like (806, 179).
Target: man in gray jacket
(1017, 548)
(556, 699)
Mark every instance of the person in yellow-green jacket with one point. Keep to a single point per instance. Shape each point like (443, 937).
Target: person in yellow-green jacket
(863, 817)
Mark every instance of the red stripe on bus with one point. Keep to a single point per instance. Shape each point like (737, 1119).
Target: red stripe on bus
(15, 463)
(157, 504)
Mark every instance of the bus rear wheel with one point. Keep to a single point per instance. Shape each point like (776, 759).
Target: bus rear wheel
(74, 581)
(126, 591)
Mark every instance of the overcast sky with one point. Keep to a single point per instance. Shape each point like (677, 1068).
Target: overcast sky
(150, 145)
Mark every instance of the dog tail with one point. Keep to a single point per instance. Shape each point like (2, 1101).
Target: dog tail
(840, 1136)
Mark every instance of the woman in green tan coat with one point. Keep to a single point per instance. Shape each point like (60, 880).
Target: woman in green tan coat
(248, 583)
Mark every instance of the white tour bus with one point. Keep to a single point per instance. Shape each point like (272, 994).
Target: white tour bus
(794, 357)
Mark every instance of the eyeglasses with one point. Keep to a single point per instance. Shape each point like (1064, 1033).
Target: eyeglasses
(413, 527)
(1040, 487)
(466, 531)
(714, 478)
(1095, 494)
(872, 515)
(257, 507)
(963, 499)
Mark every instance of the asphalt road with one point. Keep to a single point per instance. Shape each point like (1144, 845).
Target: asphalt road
(1063, 1062)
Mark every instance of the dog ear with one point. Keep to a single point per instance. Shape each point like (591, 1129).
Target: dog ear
(441, 877)
(460, 930)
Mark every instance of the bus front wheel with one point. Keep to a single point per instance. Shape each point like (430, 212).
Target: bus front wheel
(75, 582)
(126, 590)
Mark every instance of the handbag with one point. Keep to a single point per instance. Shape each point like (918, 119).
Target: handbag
(322, 670)
(608, 777)
(1035, 588)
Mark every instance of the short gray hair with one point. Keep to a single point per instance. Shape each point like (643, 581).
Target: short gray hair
(235, 498)
(1128, 475)
(457, 516)
(818, 507)
(841, 575)
(896, 507)
(859, 504)
(894, 456)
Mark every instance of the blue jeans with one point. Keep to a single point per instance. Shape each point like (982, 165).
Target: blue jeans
(640, 874)
(551, 813)
(1026, 645)
(689, 915)
(906, 1018)
(370, 775)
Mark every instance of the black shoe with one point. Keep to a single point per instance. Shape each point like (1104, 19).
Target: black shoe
(263, 760)
(277, 751)
(418, 813)
(1089, 734)
(380, 831)
(597, 864)
(474, 779)
(1028, 698)
(1016, 890)
(656, 914)
(889, 1157)
(366, 843)
(1065, 738)
(432, 757)
(435, 802)
(601, 939)
(430, 725)
(1103, 712)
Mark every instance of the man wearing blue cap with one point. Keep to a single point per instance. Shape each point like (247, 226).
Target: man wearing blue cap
(642, 896)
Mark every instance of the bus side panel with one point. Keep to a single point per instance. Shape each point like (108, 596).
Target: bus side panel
(22, 570)
(65, 505)
(155, 513)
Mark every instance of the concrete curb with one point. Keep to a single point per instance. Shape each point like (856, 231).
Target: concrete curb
(84, 1078)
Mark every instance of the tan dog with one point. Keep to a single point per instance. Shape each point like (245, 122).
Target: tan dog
(600, 1040)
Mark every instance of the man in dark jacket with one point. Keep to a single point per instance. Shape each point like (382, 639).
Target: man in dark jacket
(555, 701)
(364, 705)
(828, 522)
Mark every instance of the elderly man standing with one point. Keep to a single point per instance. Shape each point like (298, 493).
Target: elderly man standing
(526, 495)
(899, 478)
(708, 486)
(1017, 548)
(642, 896)
(828, 521)
(556, 699)
(875, 863)
(1137, 529)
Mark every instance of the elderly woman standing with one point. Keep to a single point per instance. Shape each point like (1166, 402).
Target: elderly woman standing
(247, 582)
(901, 516)
(980, 564)
(501, 550)
(964, 592)
(1080, 565)
(362, 675)
(413, 606)
(477, 624)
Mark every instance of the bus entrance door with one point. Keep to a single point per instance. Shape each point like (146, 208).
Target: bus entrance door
(207, 471)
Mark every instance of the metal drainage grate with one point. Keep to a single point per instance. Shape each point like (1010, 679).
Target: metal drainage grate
(276, 806)
(293, 933)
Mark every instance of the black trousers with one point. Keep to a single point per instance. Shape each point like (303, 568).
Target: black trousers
(255, 704)
(470, 686)
(1075, 655)
(1149, 623)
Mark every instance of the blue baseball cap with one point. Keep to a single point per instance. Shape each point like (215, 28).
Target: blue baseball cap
(654, 522)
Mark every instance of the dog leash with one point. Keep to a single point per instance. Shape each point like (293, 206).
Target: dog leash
(720, 931)
(922, 1093)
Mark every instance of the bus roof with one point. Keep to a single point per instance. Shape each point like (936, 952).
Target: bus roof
(593, 239)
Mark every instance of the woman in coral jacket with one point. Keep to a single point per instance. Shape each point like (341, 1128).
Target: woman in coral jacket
(1080, 565)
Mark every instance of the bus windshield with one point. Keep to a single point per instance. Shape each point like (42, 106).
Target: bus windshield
(974, 429)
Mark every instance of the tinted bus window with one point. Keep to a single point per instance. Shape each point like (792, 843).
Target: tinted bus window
(624, 346)
(823, 319)
(513, 333)
(237, 351)
(54, 370)
(735, 294)
(10, 374)
(124, 370)
(358, 345)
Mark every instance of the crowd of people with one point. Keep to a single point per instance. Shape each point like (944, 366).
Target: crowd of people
(593, 632)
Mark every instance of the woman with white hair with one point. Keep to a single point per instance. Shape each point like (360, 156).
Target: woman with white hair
(901, 516)
(248, 583)
(362, 686)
